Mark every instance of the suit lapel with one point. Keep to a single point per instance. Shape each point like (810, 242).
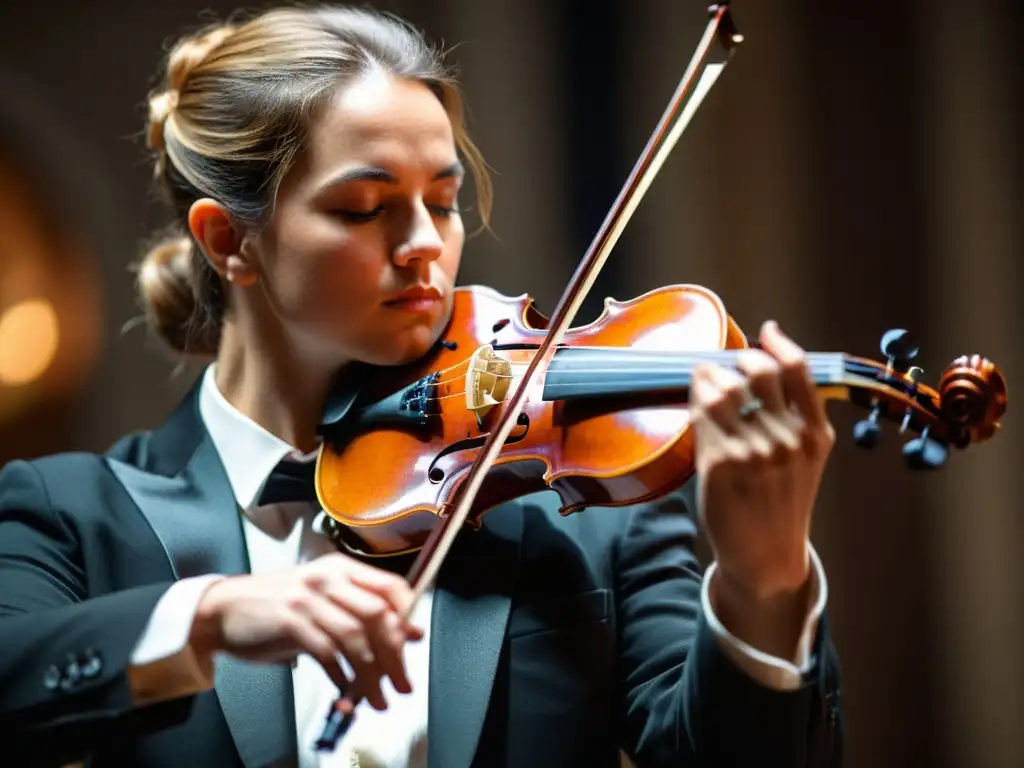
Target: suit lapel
(193, 513)
(471, 608)
(192, 510)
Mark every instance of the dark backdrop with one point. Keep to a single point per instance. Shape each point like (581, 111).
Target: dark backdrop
(856, 168)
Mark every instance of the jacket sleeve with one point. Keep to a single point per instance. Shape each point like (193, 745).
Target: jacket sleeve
(685, 700)
(64, 670)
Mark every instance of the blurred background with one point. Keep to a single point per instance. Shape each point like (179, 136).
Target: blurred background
(857, 167)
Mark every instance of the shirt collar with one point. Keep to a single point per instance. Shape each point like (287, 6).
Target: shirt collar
(248, 452)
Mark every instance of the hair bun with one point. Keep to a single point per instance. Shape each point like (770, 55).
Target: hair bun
(166, 285)
(188, 54)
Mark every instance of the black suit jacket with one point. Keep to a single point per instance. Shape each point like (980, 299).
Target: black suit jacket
(554, 640)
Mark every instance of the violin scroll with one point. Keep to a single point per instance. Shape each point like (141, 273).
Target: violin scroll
(965, 408)
(972, 394)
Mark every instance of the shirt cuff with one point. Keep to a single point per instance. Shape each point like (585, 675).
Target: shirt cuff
(163, 665)
(768, 670)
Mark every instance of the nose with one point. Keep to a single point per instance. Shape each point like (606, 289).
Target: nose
(422, 243)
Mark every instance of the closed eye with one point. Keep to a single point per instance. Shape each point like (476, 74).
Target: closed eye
(361, 216)
(358, 217)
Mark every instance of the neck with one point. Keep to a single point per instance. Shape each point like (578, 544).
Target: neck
(265, 379)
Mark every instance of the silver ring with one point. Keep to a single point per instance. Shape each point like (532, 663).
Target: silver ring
(749, 408)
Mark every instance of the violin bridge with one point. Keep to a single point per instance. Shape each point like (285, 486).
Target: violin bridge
(487, 381)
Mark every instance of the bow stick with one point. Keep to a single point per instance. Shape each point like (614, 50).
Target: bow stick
(713, 53)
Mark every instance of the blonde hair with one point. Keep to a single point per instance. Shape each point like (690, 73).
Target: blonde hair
(230, 116)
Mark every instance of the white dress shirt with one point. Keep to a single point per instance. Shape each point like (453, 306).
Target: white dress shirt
(283, 535)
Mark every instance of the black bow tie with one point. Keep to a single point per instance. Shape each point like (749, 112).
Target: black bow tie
(291, 481)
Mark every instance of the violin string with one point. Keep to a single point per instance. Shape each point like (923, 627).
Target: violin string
(450, 368)
(681, 370)
(817, 368)
(683, 364)
(681, 359)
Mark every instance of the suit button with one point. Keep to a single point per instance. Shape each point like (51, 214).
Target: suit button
(72, 674)
(51, 678)
(93, 665)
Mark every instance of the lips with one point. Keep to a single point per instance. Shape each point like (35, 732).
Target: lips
(419, 292)
(420, 297)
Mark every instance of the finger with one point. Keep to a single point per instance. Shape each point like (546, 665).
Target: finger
(709, 438)
(389, 586)
(797, 383)
(763, 376)
(759, 447)
(766, 431)
(720, 393)
(349, 638)
(391, 659)
(783, 430)
(773, 422)
(383, 629)
(319, 645)
(393, 588)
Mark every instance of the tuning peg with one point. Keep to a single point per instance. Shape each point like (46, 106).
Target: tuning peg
(867, 431)
(899, 348)
(924, 453)
(914, 373)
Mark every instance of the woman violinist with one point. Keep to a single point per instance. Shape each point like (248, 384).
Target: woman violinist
(172, 603)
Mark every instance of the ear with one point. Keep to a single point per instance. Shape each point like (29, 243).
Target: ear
(221, 241)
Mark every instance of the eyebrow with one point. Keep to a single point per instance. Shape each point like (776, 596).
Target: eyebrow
(375, 173)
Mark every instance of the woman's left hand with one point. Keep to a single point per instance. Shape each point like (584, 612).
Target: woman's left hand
(762, 441)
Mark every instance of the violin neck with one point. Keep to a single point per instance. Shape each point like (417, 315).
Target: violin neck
(578, 373)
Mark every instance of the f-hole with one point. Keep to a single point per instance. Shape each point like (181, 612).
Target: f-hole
(435, 474)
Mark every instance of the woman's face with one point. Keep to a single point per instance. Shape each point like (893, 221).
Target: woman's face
(361, 255)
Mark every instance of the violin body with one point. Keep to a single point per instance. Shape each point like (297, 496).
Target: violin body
(392, 466)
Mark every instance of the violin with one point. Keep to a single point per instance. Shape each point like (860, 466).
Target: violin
(510, 402)
(606, 423)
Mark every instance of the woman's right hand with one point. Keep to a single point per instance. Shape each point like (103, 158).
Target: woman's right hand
(332, 605)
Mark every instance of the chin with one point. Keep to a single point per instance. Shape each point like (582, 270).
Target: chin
(404, 347)
(416, 345)
(398, 341)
